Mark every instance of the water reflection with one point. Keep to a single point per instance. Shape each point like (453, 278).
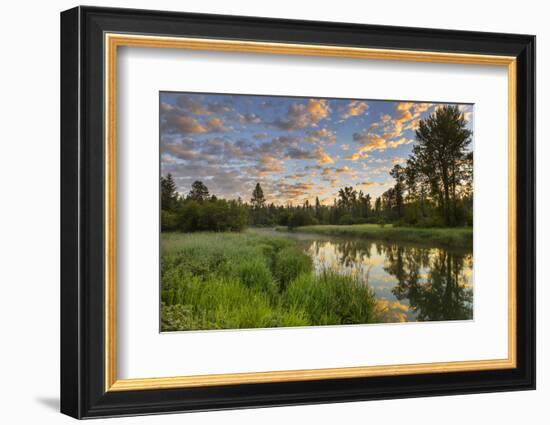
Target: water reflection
(412, 283)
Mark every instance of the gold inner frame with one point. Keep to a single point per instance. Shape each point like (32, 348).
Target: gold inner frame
(113, 41)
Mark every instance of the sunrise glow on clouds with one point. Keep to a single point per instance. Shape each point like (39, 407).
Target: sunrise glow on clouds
(296, 148)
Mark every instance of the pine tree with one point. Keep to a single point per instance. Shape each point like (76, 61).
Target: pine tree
(168, 191)
(199, 192)
(258, 199)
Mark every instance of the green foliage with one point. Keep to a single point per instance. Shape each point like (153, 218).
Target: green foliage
(289, 263)
(168, 193)
(216, 215)
(332, 298)
(258, 199)
(199, 192)
(168, 221)
(235, 281)
(301, 218)
(346, 219)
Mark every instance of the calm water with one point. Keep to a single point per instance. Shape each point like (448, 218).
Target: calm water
(411, 282)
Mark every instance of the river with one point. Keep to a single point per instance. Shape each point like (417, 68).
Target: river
(411, 282)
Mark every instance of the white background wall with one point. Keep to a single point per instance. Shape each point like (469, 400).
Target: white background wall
(29, 212)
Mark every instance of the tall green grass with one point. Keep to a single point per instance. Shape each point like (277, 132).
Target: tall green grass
(457, 237)
(240, 280)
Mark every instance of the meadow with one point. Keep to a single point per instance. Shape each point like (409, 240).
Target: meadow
(245, 280)
(456, 237)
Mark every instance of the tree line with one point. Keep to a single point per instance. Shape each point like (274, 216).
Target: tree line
(433, 188)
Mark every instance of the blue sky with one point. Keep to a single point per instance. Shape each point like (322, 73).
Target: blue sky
(297, 148)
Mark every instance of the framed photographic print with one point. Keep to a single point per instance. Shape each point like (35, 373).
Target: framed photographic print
(261, 212)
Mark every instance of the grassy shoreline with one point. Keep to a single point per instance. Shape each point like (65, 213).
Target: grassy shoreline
(454, 237)
(243, 280)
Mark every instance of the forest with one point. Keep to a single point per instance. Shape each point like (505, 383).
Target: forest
(433, 188)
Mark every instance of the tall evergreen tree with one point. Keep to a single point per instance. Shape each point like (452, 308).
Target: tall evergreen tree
(169, 194)
(398, 173)
(258, 199)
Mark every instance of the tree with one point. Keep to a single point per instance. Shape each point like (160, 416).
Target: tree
(441, 156)
(378, 206)
(199, 192)
(258, 199)
(367, 205)
(317, 208)
(398, 173)
(168, 193)
(347, 198)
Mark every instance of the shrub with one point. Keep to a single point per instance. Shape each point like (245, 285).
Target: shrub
(433, 221)
(168, 221)
(175, 317)
(301, 218)
(289, 263)
(346, 219)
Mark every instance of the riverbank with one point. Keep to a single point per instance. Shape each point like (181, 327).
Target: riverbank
(453, 237)
(246, 280)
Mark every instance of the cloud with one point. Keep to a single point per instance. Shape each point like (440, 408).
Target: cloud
(366, 184)
(216, 125)
(323, 157)
(301, 115)
(404, 106)
(166, 107)
(269, 164)
(295, 191)
(190, 105)
(399, 142)
(345, 169)
(355, 156)
(318, 109)
(193, 104)
(355, 108)
(321, 135)
(249, 119)
(387, 132)
(186, 124)
(181, 152)
(297, 153)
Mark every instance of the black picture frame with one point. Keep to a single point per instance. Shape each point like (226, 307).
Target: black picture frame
(83, 392)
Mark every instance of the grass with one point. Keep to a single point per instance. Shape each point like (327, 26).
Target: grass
(243, 280)
(457, 237)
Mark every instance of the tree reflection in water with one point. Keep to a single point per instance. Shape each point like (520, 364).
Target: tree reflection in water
(442, 293)
(426, 283)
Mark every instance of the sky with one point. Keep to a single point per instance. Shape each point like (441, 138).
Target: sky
(297, 148)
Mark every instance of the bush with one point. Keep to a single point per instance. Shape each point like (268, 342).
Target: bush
(289, 263)
(434, 221)
(213, 214)
(301, 218)
(346, 219)
(168, 221)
